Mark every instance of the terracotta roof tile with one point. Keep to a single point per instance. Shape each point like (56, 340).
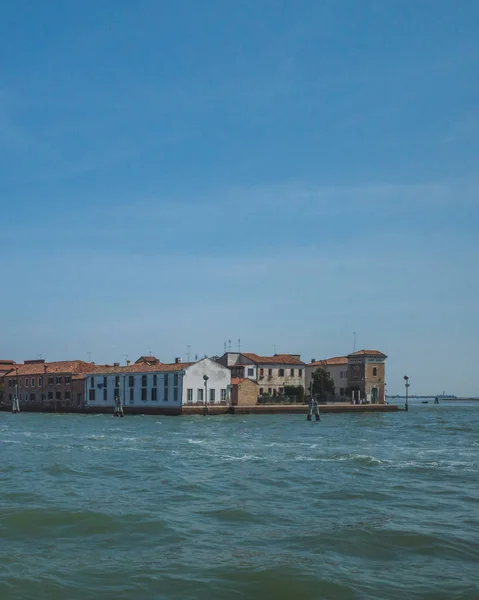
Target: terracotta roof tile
(63, 366)
(144, 368)
(368, 353)
(277, 359)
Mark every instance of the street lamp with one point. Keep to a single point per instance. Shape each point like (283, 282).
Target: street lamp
(406, 379)
(205, 379)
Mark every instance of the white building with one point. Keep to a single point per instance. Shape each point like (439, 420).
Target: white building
(158, 386)
(272, 373)
(337, 367)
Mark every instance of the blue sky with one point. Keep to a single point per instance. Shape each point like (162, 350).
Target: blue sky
(178, 174)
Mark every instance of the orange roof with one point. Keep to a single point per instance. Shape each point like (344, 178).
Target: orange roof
(143, 368)
(238, 380)
(148, 359)
(368, 353)
(63, 366)
(328, 362)
(277, 359)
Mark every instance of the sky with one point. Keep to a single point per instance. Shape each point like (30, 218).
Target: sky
(175, 175)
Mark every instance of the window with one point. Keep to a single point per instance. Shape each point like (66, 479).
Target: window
(341, 391)
(291, 372)
(189, 395)
(154, 394)
(50, 381)
(143, 394)
(67, 395)
(375, 371)
(270, 391)
(26, 397)
(223, 395)
(250, 372)
(32, 397)
(26, 381)
(9, 397)
(92, 382)
(67, 379)
(50, 395)
(212, 395)
(91, 395)
(105, 382)
(105, 394)
(58, 395)
(200, 395)
(165, 389)
(261, 373)
(281, 372)
(270, 373)
(132, 396)
(131, 381)
(155, 380)
(40, 381)
(33, 381)
(300, 372)
(117, 381)
(143, 381)
(261, 390)
(175, 389)
(58, 380)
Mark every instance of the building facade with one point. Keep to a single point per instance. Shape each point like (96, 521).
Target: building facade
(272, 373)
(366, 375)
(158, 386)
(39, 384)
(337, 367)
(244, 392)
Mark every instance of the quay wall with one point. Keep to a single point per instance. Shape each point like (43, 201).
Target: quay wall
(218, 409)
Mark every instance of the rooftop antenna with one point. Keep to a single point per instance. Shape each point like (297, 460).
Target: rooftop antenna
(354, 341)
(229, 345)
(89, 356)
(239, 345)
(188, 353)
(225, 347)
(40, 356)
(126, 358)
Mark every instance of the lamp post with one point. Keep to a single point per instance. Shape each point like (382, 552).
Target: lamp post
(205, 379)
(406, 379)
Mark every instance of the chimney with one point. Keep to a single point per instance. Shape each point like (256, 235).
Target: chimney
(116, 364)
(128, 362)
(313, 360)
(177, 361)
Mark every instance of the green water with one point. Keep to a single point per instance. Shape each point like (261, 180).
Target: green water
(379, 506)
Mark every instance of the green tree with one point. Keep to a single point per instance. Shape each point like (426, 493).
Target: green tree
(323, 385)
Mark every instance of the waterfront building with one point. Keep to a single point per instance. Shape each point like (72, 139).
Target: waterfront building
(272, 373)
(337, 367)
(366, 375)
(149, 385)
(54, 385)
(244, 392)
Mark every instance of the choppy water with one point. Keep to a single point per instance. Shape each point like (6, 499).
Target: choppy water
(379, 506)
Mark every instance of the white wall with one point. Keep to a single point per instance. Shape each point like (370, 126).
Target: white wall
(171, 399)
(219, 379)
(339, 382)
